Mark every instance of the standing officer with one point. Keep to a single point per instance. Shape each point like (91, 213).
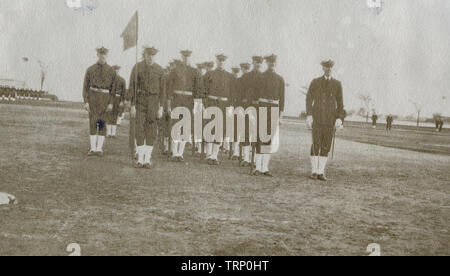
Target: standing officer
(374, 120)
(184, 85)
(249, 84)
(98, 95)
(235, 102)
(324, 107)
(118, 103)
(147, 104)
(270, 95)
(218, 86)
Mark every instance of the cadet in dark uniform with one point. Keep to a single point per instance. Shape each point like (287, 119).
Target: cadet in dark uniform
(218, 86)
(374, 120)
(250, 83)
(236, 102)
(389, 121)
(325, 108)
(184, 84)
(147, 99)
(118, 102)
(98, 95)
(270, 95)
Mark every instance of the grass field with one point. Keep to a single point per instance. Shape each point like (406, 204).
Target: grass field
(397, 198)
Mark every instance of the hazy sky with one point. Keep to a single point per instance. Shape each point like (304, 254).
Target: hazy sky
(398, 54)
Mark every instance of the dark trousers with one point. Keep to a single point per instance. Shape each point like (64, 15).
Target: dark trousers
(322, 136)
(112, 116)
(98, 103)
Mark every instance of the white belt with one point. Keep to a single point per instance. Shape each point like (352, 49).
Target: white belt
(222, 99)
(269, 101)
(99, 90)
(118, 95)
(183, 93)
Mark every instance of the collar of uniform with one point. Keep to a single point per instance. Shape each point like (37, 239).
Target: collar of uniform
(327, 78)
(101, 64)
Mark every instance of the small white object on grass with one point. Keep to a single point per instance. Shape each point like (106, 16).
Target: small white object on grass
(7, 199)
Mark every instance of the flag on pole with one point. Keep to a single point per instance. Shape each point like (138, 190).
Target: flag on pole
(130, 35)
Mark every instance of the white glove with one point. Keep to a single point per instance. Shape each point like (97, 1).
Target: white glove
(309, 121)
(86, 106)
(338, 123)
(160, 112)
(110, 108)
(133, 112)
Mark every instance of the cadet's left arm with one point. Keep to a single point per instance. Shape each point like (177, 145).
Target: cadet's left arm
(282, 95)
(340, 103)
(113, 88)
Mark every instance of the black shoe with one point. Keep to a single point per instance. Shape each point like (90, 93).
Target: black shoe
(180, 159)
(215, 163)
(147, 166)
(322, 177)
(138, 166)
(256, 173)
(209, 161)
(268, 174)
(313, 176)
(245, 164)
(92, 153)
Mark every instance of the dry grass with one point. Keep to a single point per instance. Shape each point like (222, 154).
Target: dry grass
(393, 197)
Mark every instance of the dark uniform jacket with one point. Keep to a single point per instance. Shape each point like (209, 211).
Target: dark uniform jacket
(235, 92)
(249, 86)
(149, 91)
(218, 83)
(120, 88)
(184, 78)
(99, 76)
(272, 88)
(324, 101)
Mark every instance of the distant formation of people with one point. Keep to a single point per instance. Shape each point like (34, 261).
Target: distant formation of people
(8, 93)
(389, 121)
(439, 124)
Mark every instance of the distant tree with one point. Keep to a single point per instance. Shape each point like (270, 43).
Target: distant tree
(418, 108)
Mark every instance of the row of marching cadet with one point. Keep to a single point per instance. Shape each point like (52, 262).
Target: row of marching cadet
(8, 93)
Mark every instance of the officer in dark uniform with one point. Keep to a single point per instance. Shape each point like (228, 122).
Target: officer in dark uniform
(147, 99)
(374, 120)
(250, 83)
(218, 86)
(118, 103)
(324, 107)
(184, 85)
(98, 95)
(236, 102)
(270, 95)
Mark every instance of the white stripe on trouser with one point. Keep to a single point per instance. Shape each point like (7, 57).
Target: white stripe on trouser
(236, 149)
(258, 162)
(314, 164)
(147, 154)
(108, 130)
(175, 149)
(265, 163)
(215, 152)
(114, 130)
(140, 152)
(100, 141)
(199, 147)
(181, 149)
(246, 153)
(166, 143)
(208, 150)
(93, 139)
(322, 164)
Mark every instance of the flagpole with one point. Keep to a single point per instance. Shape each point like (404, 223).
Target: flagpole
(136, 72)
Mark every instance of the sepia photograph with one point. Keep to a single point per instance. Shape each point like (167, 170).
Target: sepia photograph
(240, 130)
